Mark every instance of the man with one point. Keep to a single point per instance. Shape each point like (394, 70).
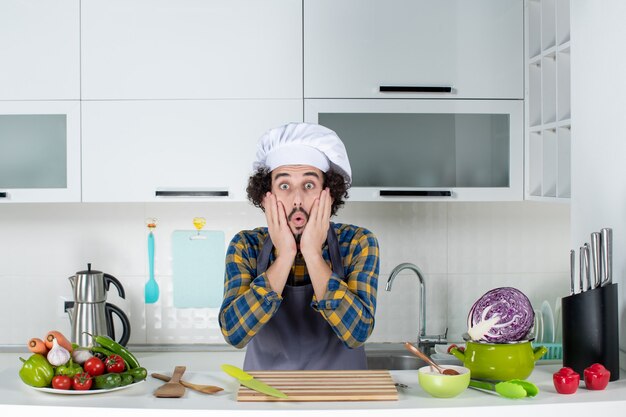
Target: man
(300, 293)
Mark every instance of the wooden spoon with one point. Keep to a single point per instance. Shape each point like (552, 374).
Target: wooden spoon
(207, 389)
(172, 389)
(417, 352)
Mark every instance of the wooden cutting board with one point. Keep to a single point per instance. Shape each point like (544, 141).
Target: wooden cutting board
(324, 386)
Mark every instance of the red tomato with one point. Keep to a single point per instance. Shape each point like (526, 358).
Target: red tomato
(82, 381)
(115, 364)
(61, 382)
(94, 366)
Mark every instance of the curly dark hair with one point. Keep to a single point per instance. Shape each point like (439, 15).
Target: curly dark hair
(261, 182)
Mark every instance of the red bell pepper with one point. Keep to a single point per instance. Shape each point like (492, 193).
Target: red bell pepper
(597, 377)
(566, 381)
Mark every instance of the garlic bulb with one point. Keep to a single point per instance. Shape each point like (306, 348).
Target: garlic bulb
(58, 355)
(81, 355)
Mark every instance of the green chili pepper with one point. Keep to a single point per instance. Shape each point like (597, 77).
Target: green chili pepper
(108, 381)
(36, 371)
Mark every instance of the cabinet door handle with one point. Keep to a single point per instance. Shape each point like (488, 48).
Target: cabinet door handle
(414, 193)
(3, 194)
(414, 89)
(192, 193)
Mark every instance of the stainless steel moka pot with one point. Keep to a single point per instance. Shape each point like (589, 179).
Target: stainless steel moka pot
(89, 312)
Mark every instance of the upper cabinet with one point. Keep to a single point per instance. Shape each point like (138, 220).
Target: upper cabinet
(173, 150)
(419, 48)
(40, 49)
(39, 151)
(191, 49)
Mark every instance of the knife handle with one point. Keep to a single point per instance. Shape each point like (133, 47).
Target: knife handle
(595, 258)
(607, 255)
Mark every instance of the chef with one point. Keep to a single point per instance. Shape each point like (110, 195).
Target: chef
(301, 292)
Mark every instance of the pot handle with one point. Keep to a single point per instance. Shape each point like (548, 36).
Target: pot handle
(111, 309)
(539, 351)
(458, 353)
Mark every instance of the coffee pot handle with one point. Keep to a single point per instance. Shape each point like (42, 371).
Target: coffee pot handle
(110, 309)
(110, 279)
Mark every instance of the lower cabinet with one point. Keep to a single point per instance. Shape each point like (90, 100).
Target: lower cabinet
(178, 150)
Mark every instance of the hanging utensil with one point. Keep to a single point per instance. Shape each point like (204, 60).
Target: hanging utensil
(595, 259)
(151, 290)
(417, 352)
(607, 256)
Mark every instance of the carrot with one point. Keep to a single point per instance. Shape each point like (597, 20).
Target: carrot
(37, 345)
(61, 340)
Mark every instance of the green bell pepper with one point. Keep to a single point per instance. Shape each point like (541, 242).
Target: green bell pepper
(69, 369)
(36, 371)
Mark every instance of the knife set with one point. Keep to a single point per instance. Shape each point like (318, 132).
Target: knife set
(590, 313)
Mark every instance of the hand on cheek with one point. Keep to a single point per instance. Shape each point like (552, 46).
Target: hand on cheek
(316, 229)
(278, 227)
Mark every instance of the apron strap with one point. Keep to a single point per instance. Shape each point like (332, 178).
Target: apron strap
(333, 249)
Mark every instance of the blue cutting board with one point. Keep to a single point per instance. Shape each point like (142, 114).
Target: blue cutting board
(198, 268)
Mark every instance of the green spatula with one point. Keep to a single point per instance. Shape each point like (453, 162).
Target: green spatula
(513, 389)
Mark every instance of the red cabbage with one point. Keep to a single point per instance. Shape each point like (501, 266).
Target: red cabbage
(501, 315)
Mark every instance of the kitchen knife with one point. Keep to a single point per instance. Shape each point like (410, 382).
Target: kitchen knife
(581, 268)
(572, 271)
(587, 277)
(595, 258)
(607, 255)
(248, 380)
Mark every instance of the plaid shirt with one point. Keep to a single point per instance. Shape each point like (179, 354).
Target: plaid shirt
(348, 305)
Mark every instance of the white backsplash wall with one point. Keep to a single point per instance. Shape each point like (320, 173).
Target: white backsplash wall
(463, 249)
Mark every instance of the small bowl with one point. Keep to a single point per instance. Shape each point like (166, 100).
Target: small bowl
(443, 386)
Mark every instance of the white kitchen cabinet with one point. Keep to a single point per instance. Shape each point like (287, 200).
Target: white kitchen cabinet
(39, 151)
(548, 101)
(428, 150)
(173, 150)
(191, 49)
(39, 50)
(352, 48)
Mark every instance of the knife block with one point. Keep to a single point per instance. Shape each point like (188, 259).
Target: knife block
(590, 330)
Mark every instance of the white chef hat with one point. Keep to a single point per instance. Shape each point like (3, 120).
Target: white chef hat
(303, 144)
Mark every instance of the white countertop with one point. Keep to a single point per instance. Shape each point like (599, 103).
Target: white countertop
(203, 368)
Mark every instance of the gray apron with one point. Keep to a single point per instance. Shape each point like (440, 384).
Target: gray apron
(298, 337)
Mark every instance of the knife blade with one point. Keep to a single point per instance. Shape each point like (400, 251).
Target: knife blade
(607, 255)
(587, 268)
(249, 381)
(581, 268)
(595, 258)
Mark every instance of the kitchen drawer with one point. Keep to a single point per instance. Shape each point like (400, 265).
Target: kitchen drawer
(353, 47)
(191, 49)
(158, 150)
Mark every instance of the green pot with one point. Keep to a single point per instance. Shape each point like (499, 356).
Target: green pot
(500, 362)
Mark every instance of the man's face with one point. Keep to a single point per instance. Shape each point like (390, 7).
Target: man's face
(297, 187)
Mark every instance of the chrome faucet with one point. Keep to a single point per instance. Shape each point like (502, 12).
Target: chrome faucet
(424, 342)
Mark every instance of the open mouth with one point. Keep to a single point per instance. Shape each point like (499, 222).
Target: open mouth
(298, 217)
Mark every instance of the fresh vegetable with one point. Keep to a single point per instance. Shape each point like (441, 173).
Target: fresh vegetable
(596, 377)
(107, 381)
(104, 352)
(37, 345)
(566, 381)
(36, 371)
(61, 340)
(69, 369)
(127, 379)
(82, 381)
(459, 348)
(58, 355)
(501, 315)
(138, 374)
(81, 355)
(61, 382)
(94, 366)
(116, 348)
(115, 364)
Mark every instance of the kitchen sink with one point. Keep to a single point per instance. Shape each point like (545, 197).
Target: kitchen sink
(393, 360)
